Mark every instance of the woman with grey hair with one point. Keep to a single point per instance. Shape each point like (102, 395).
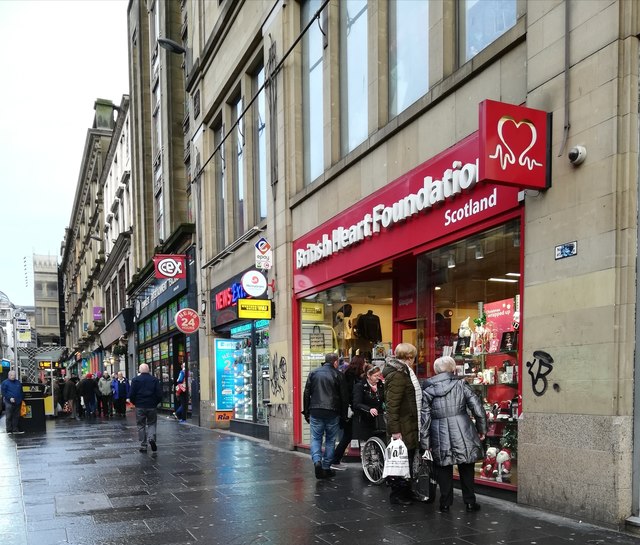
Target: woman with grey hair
(448, 431)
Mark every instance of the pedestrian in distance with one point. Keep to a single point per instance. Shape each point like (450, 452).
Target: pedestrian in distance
(325, 409)
(352, 375)
(120, 388)
(70, 394)
(447, 430)
(12, 398)
(180, 413)
(104, 386)
(88, 390)
(145, 394)
(403, 400)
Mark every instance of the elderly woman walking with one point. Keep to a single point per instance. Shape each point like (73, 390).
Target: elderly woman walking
(402, 401)
(447, 430)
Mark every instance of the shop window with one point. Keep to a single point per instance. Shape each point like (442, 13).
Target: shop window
(350, 319)
(482, 22)
(469, 308)
(408, 53)
(354, 81)
(312, 93)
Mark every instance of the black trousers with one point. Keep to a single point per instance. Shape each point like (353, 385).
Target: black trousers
(347, 434)
(444, 475)
(400, 486)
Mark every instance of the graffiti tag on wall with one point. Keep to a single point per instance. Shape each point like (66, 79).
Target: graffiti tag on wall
(538, 370)
(278, 378)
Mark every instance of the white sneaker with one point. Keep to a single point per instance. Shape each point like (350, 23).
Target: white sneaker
(339, 466)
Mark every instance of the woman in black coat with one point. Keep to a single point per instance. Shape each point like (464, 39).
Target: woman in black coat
(368, 406)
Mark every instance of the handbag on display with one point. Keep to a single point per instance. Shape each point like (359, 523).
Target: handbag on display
(316, 340)
(396, 463)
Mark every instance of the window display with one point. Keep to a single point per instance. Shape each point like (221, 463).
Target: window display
(472, 290)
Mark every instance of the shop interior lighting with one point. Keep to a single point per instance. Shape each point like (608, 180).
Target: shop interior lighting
(513, 274)
(437, 288)
(451, 262)
(508, 280)
(479, 252)
(516, 240)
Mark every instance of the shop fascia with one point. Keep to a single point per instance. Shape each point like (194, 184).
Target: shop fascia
(460, 177)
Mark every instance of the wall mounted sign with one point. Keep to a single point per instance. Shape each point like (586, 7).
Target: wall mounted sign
(254, 309)
(170, 266)
(311, 311)
(514, 145)
(187, 320)
(254, 283)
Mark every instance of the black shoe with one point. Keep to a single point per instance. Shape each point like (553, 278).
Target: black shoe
(471, 507)
(397, 499)
(327, 473)
(319, 471)
(142, 449)
(154, 447)
(444, 509)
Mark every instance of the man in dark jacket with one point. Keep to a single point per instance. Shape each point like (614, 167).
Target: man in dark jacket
(12, 399)
(325, 407)
(145, 394)
(88, 389)
(70, 393)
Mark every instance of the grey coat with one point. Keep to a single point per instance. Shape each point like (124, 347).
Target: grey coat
(446, 427)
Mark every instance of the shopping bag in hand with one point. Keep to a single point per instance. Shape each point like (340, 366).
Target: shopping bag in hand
(396, 463)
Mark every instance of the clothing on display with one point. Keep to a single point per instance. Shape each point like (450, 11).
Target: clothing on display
(368, 327)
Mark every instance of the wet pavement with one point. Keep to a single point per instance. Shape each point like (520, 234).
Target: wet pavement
(86, 483)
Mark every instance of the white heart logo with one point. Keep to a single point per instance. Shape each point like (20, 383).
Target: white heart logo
(505, 155)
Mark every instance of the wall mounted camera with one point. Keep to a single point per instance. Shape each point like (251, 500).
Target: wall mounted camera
(577, 155)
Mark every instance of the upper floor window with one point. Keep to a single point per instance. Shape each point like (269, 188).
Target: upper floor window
(482, 22)
(354, 79)
(220, 189)
(52, 316)
(312, 94)
(239, 225)
(260, 144)
(408, 53)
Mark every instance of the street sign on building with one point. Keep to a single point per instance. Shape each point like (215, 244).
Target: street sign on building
(264, 254)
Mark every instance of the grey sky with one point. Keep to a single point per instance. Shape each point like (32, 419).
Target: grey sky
(56, 58)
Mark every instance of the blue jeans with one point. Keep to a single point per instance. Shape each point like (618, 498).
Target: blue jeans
(329, 428)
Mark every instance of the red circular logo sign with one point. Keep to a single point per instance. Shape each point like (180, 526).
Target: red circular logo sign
(187, 320)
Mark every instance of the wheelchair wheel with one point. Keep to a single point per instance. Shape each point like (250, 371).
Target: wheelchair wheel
(373, 455)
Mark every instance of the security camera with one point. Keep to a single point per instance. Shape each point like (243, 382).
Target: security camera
(577, 155)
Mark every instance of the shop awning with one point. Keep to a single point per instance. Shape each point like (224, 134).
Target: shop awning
(116, 328)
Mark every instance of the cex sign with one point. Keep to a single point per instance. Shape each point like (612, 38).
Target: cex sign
(170, 266)
(514, 145)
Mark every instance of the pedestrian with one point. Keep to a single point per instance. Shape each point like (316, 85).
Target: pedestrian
(145, 394)
(70, 394)
(352, 374)
(180, 413)
(104, 401)
(447, 430)
(12, 398)
(403, 397)
(368, 405)
(325, 409)
(88, 390)
(120, 388)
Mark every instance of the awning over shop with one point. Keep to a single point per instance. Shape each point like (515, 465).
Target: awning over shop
(116, 328)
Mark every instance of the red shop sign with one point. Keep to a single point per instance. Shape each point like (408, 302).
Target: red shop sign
(187, 320)
(435, 199)
(515, 145)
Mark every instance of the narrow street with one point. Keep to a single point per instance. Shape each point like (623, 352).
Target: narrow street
(86, 483)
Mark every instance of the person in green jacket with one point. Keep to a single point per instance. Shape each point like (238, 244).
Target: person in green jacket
(403, 396)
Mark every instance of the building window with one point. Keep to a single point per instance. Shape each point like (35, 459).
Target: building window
(260, 142)
(52, 316)
(312, 94)
(39, 317)
(239, 226)
(354, 81)
(220, 189)
(160, 215)
(408, 53)
(122, 286)
(107, 301)
(39, 290)
(157, 123)
(482, 22)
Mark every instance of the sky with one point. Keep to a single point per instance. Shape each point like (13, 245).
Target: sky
(56, 58)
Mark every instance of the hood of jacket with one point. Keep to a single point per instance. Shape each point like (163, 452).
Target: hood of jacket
(393, 364)
(441, 384)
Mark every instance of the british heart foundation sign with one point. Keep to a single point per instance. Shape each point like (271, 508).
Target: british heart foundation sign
(515, 145)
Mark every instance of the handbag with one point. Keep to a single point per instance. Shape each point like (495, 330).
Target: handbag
(316, 340)
(181, 388)
(396, 462)
(66, 408)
